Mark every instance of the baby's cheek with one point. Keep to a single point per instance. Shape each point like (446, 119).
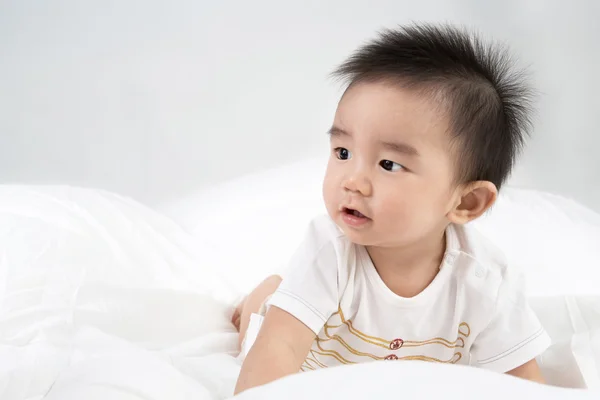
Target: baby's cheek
(411, 215)
(398, 215)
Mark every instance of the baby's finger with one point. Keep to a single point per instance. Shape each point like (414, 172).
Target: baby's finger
(236, 315)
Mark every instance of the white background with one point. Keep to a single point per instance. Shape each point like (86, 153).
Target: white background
(154, 99)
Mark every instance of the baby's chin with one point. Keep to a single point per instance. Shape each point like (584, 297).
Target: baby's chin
(361, 238)
(371, 238)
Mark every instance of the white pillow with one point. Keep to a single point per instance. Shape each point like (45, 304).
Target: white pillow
(553, 239)
(255, 222)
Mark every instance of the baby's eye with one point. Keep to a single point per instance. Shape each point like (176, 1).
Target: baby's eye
(342, 153)
(390, 165)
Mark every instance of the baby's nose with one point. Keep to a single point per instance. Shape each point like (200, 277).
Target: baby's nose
(358, 183)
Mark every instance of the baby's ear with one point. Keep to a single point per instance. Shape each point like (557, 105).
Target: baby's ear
(475, 199)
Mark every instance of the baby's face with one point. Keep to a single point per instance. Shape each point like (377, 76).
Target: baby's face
(390, 176)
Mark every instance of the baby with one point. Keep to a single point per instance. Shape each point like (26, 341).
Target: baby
(424, 136)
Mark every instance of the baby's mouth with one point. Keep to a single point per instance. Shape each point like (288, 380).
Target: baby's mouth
(353, 212)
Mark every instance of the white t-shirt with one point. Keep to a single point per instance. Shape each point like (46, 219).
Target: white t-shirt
(474, 312)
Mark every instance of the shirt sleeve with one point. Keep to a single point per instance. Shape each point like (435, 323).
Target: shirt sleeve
(309, 289)
(514, 334)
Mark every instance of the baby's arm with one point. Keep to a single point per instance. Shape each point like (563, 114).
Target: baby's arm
(307, 296)
(280, 349)
(530, 371)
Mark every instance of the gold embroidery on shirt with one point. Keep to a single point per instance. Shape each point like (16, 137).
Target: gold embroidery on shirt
(312, 361)
(318, 364)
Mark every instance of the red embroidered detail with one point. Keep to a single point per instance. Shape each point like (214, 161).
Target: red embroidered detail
(391, 357)
(396, 344)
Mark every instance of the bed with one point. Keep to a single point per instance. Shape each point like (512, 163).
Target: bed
(104, 298)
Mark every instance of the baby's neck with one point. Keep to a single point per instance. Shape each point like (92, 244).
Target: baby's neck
(407, 271)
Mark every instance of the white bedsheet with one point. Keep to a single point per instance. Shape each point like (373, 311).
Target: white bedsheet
(409, 380)
(102, 298)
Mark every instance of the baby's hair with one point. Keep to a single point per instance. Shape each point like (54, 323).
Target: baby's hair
(487, 101)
